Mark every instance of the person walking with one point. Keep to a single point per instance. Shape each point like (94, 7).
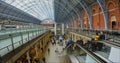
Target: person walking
(54, 41)
(48, 51)
(44, 60)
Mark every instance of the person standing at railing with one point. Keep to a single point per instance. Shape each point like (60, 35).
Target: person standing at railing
(80, 41)
(95, 41)
(101, 37)
(69, 42)
(92, 43)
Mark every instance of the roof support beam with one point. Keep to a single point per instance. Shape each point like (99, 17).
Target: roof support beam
(72, 8)
(81, 20)
(88, 11)
(64, 8)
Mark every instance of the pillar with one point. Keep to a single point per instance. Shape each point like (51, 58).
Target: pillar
(75, 38)
(32, 34)
(62, 29)
(36, 33)
(17, 26)
(28, 57)
(11, 37)
(36, 49)
(67, 26)
(28, 36)
(55, 29)
(21, 37)
(72, 36)
(0, 26)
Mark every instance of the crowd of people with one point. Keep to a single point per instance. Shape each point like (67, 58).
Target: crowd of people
(93, 44)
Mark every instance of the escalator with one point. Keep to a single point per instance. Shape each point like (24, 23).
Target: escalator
(109, 51)
(79, 54)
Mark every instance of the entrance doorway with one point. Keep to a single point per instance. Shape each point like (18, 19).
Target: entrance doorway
(113, 21)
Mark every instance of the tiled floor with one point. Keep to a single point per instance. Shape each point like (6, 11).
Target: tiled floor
(56, 57)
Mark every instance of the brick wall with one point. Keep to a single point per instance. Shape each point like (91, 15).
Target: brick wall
(97, 17)
(113, 9)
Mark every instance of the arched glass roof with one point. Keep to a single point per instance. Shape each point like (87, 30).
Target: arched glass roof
(41, 9)
(38, 10)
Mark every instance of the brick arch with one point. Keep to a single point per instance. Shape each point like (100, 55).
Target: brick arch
(114, 17)
(112, 8)
(111, 14)
(110, 5)
(109, 2)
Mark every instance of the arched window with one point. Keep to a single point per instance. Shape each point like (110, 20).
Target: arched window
(110, 5)
(111, 14)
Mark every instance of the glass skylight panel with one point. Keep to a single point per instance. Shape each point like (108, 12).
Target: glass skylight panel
(41, 9)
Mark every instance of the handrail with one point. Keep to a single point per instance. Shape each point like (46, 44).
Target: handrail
(109, 42)
(1, 36)
(114, 44)
(110, 30)
(20, 30)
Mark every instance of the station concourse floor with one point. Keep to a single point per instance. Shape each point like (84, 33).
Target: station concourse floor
(56, 57)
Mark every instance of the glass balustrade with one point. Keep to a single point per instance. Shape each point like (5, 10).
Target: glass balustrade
(16, 37)
(91, 33)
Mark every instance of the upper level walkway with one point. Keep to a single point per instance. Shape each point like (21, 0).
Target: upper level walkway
(12, 38)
